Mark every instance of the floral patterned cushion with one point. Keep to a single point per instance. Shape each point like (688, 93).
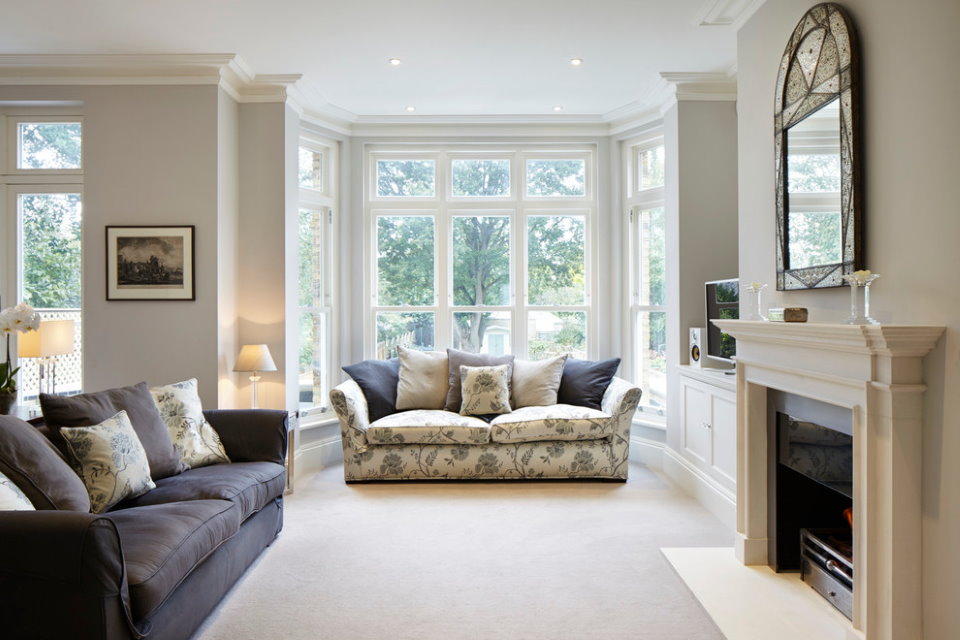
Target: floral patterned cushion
(11, 497)
(485, 390)
(428, 426)
(110, 460)
(553, 422)
(194, 439)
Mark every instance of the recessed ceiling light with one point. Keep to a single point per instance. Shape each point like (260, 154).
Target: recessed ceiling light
(394, 62)
(410, 108)
(558, 108)
(576, 61)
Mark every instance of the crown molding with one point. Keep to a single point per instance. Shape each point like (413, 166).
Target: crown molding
(726, 13)
(683, 86)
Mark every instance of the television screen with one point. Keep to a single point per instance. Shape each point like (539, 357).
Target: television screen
(723, 303)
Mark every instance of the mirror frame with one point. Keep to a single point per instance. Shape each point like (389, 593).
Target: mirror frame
(802, 89)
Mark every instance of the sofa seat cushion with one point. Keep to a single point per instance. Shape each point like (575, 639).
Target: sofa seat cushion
(552, 422)
(163, 543)
(250, 485)
(427, 426)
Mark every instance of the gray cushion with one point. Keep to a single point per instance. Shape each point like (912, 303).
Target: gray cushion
(163, 543)
(378, 379)
(456, 359)
(250, 485)
(585, 381)
(93, 408)
(34, 465)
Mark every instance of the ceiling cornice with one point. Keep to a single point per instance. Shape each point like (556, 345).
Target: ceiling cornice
(726, 13)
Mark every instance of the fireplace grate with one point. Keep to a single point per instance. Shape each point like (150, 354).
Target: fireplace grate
(827, 565)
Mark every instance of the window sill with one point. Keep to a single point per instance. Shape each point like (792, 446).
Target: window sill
(650, 421)
(317, 420)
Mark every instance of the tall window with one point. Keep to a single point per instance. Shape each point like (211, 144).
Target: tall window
(484, 250)
(43, 174)
(318, 202)
(645, 205)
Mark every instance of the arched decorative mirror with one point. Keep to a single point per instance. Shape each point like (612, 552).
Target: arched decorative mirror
(817, 138)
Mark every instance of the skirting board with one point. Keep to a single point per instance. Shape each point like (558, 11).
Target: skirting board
(647, 452)
(718, 500)
(318, 455)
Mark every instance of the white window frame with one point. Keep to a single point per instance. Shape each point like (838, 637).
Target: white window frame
(444, 206)
(636, 201)
(15, 182)
(324, 201)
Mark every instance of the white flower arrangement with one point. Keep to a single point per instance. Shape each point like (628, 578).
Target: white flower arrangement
(861, 278)
(17, 319)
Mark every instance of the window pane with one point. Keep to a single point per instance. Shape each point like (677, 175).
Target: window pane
(411, 330)
(653, 249)
(51, 249)
(551, 178)
(406, 178)
(311, 169)
(310, 281)
(652, 359)
(814, 238)
(48, 145)
(314, 342)
(481, 177)
(482, 332)
(814, 173)
(405, 255)
(553, 333)
(556, 260)
(481, 260)
(651, 168)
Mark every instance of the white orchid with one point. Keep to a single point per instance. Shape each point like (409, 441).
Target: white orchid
(17, 319)
(861, 277)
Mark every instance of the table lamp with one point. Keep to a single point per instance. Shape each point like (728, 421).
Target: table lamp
(254, 358)
(53, 338)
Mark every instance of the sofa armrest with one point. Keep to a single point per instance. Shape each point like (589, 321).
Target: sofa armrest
(251, 435)
(71, 561)
(620, 397)
(351, 406)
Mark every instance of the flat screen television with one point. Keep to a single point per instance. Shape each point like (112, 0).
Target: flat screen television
(723, 303)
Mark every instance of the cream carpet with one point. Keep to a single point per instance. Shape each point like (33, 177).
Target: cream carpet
(432, 561)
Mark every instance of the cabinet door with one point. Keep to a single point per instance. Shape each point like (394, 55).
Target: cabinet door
(725, 436)
(696, 422)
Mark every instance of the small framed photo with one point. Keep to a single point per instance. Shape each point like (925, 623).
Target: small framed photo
(150, 263)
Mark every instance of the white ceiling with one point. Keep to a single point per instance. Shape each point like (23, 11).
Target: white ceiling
(495, 57)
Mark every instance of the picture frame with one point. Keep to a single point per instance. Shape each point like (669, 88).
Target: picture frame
(150, 262)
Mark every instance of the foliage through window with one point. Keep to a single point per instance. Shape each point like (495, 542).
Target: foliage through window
(48, 145)
(556, 178)
(481, 178)
(406, 178)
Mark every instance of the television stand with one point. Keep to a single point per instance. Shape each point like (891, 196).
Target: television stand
(708, 423)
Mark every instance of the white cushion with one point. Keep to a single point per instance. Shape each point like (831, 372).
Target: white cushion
(11, 497)
(485, 390)
(110, 460)
(194, 439)
(424, 379)
(535, 382)
(427, 426)
(555, 422)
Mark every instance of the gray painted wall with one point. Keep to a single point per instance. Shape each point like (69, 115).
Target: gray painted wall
(911, 135)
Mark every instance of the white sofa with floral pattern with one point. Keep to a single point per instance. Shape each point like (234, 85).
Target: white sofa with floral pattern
(555, 441)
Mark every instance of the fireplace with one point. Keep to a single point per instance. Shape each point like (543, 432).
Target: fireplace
(874, 372)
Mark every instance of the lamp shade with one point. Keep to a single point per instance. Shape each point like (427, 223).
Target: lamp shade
(53, 338)
(254, 357)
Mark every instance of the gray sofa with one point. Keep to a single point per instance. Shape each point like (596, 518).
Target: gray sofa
(154, 566)
(554, 441)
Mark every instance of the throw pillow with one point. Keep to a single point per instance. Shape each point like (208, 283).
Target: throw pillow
(457, 359)
(11, 497)
(194, 439)
(378, 380)
(422, 379)
(93, 408)
(35, 465)
(536, 382)
(584, 381)
(486, 390)
(110, 460)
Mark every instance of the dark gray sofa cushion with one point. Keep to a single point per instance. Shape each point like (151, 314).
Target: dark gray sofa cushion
(249, 485)
(455, 359)
(34, 465)
(585, 381)
(163, 543)
(93, 408)
(378, 380)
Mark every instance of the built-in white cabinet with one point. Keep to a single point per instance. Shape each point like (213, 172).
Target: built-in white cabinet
(708, 422)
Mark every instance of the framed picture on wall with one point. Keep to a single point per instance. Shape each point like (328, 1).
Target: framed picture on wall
(150, 263)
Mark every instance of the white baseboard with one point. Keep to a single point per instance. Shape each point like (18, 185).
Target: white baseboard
(716, 498)
(318, 455)
(647, 452)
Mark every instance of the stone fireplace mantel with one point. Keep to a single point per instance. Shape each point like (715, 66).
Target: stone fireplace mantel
(877, 372)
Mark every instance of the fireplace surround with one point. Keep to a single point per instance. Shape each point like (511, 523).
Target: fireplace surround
(875, 371)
